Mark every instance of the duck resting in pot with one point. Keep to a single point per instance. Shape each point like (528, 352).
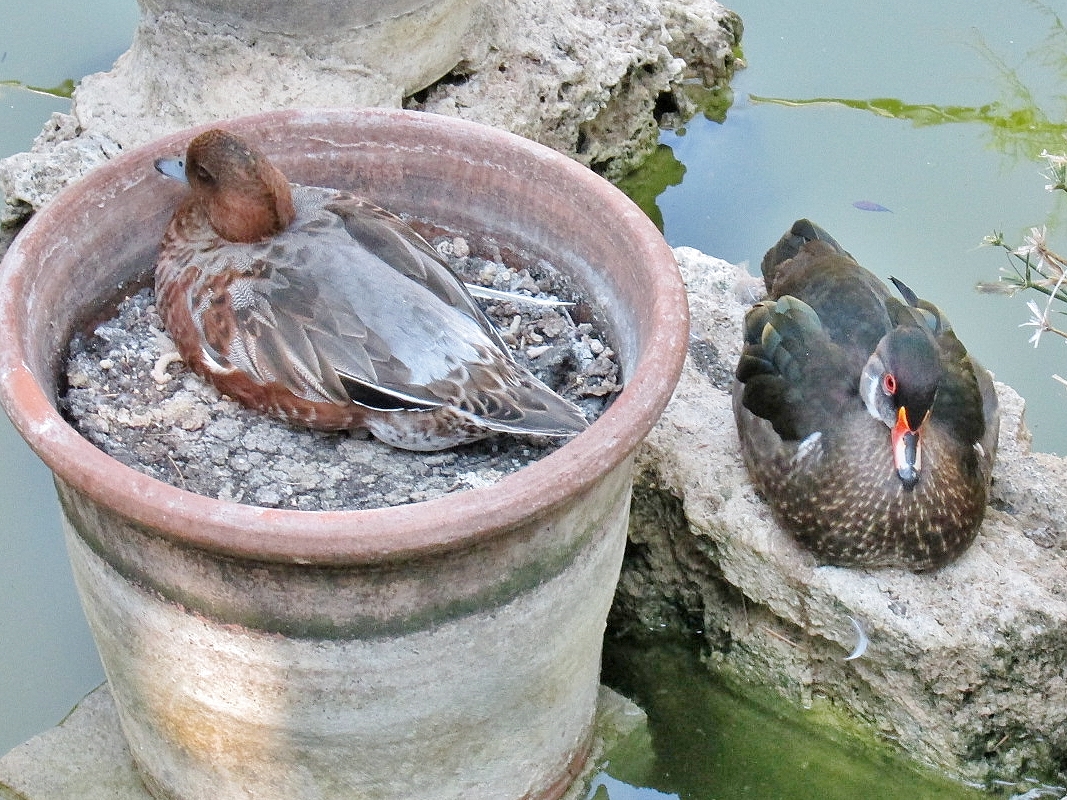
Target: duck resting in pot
(319, 308)
(863, 421)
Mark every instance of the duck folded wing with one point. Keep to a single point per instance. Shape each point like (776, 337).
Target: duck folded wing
(399, 247)
(332, 313)
(341, 327)
(789, 246)
(792, 374)
(282, 326)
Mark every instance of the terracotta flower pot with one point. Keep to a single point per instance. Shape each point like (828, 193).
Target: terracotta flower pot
(444, 649)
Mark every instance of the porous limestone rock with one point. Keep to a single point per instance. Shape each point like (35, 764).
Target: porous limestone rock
(61, 152)
(966, 666)
(589, 79)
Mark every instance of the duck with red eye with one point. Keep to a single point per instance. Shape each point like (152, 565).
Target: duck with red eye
(863, 421)
(899, 386)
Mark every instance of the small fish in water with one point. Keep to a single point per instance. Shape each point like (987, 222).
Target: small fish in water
(870, 205)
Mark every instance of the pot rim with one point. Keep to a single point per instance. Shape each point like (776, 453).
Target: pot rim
(365, 536)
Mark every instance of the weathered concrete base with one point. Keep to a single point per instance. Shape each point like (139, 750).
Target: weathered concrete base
(965, 668)
(586, 78)
(216, 710)
(85, 757)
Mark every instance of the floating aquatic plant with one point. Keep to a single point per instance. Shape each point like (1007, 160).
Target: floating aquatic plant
(1028, 115)
(64, 89)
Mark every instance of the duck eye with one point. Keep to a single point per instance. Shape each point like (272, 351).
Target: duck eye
(203, 175)
(889, 383)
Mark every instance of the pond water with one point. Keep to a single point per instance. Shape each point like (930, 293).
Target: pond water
(49, 660)
(948, 154)
(935, 111)
(704, 742)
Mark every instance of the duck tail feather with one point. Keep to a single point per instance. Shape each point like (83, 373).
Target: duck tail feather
(803, 232)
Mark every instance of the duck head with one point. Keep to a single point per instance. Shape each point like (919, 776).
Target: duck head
(898, 385)
(240, 193)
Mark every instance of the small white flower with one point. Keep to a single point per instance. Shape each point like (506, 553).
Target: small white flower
(1037, 320)
(1040, 319)
(1033, 245)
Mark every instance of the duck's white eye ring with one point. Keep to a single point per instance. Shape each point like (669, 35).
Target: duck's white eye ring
(889, 383)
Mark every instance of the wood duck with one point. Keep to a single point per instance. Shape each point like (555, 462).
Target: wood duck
(321, 309)
(863, 421)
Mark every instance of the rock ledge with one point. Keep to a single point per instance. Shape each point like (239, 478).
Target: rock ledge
(965, 667)
(588, 79)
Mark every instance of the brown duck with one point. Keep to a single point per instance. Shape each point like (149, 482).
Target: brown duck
(314, 306)
(863, 421)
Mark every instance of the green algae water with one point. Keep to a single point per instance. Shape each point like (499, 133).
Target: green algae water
(708, 743)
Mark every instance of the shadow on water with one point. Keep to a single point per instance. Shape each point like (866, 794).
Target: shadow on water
(705, 742)
(662, 169)
(645, 184)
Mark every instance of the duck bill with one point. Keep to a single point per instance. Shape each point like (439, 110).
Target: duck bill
(907, 453)
(172, 168)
